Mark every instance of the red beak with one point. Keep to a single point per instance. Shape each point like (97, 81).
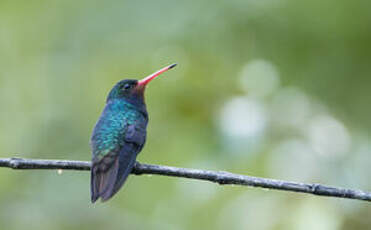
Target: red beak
(146, 80)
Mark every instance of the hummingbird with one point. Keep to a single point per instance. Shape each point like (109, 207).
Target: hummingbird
(119, 136)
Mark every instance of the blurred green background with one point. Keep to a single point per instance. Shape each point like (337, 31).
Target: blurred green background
(273, 88)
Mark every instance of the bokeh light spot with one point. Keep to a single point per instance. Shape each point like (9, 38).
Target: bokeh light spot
(259, 78)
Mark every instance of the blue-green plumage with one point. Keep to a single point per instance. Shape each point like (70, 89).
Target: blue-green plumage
(112, 126)
(119, 136)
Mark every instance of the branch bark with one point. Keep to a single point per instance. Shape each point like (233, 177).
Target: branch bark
(220, 177)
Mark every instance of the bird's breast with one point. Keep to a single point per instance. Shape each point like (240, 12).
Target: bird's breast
(112, 127)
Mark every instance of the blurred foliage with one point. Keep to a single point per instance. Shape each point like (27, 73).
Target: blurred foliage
(268, 88)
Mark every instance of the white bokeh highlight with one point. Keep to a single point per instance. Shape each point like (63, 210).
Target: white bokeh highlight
(291, 107)
(244, 118)
(312, 214)
(249, 211)
(259, 78)
(328, 136)
(293, 159)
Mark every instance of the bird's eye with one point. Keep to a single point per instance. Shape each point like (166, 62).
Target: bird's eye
(127, 86)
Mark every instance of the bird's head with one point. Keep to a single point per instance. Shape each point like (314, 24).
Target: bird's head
(133, 90)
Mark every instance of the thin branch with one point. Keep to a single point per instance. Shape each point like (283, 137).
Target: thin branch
(219, 177)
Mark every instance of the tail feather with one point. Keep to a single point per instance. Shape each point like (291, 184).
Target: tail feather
(106, 183)
(103, 178)
(93, 186)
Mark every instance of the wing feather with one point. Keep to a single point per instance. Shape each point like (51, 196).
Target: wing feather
(109, 173)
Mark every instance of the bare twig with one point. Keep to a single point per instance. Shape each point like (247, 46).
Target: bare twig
(212, 176)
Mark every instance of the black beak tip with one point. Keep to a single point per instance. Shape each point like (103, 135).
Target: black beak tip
(172, 66)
